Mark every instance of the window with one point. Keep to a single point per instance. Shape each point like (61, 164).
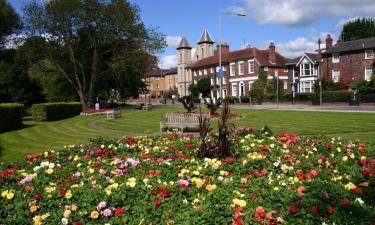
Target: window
(251, 65)
(305, 69)
(265, 68)
(180, 57)
(224, 80)
(285, 69)
(212, 81)
(242, 89)
(202, 51)
(211, 70)
(335, 57)
(369, 54)
(240, 68)
(232, 69)
(217, 80)
(234, 89)
(195, 73)
(224, 93)
(285, 84)
(200, 72)
(336, 75)
(368, 74)
(205, 71)
(250, 83)
(306, 87)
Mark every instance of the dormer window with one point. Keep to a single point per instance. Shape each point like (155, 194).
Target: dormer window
(369, 54)
(335, 57)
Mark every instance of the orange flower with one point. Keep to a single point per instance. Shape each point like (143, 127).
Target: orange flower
(300, 189)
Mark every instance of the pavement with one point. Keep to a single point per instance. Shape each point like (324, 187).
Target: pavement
(326, 107)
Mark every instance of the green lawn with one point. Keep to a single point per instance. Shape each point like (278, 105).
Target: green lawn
(42, 136)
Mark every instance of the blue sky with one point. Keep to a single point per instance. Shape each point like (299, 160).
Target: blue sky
(294, 25)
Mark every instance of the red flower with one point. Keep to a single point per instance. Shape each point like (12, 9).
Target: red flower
(11, 171)
(264, 171)
(254, 197)
(237, 222)
(119, 211)
(62, 191)
(165, 193)
(314, 210)
(357, 190)
(156, 202)
(293, 209)
(330, 210)
(230, 160)
(362, 162)
(345, 201)
(77, 223)
(256, 173)
(38, 196)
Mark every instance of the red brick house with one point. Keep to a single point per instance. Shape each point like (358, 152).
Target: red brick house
(348, 61)
(240, 68)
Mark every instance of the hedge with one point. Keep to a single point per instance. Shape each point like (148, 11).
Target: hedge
(337, 96)
(55, 110)
(367, 98)
(11, 116)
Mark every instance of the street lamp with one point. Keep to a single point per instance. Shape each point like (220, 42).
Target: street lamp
(220, 72)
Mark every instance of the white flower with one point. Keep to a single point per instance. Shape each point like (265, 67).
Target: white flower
(359, 201)
(64, 221)
(51, 165)
(276, 164)
(220, 178)
(36, 168)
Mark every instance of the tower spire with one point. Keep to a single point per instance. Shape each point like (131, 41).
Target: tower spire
(205, 38)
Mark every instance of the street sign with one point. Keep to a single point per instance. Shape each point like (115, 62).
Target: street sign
(220, 73)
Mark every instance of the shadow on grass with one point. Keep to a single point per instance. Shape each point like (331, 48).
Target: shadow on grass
(1, 150)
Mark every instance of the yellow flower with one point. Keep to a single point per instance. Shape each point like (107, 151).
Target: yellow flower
(74, 207)
(67, 213)
(211, 187)
(8, 194)
(350, 186)
(91, 170)
(68, 194)
(131, 182)
(352, 156)
(94, 214)
(238, 202)
(49, 171)
(345, 158)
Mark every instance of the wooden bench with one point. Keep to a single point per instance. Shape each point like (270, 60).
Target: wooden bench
(181, 121)
(146, 107)
(113, 114)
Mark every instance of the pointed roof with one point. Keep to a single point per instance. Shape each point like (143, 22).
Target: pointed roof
(183, 44)
(205, 38)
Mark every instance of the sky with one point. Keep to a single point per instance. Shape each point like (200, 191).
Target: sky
(293, 25)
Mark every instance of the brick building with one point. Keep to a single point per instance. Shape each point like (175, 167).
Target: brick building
(347, 62)
(160, 80)
(240, 68)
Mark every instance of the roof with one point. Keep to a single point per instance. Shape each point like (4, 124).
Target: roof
(293, 61)
(161, 72)
(355, 45)
(260, 55)
(312, 56)
(184, 44)
(205, 38)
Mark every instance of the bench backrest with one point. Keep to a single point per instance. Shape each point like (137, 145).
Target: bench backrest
(184, 118)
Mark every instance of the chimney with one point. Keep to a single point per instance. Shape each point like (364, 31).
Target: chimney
(329, 42)
(272, 52)
(224, 48)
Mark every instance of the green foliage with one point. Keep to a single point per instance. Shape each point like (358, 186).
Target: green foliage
(93, 42)
(337, 96)
(212, 106)
(188, 103)
(11, 115)
(55, 110)
(329, 85)
(203, 86)
(358, 29)
(15, 84)
(245, 99)
(9, 21)
(231, 99)
(257, 92)
(273, 86)
(262, 76)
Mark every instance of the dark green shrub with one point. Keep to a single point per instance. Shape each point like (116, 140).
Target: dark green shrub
(11, 116)
(231, 99)
(367, 98)
(257, 92)
(55, 110)
(245, 99)
(337, 96)
(302, 97)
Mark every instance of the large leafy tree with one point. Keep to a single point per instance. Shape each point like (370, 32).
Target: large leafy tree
(86, 40)
(358, 29)
(9, 21)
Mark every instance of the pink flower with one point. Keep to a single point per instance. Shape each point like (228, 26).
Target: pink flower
(26, 179)
(102, 172)
(107, 212)
(101, 205)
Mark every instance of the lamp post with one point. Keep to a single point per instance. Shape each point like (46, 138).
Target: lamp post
(220, 72)
(277, 88)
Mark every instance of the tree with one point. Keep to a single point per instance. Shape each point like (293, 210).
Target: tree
(9, 21)
(203, 86)
(273, 86)
(259, 87)
(358, 29)
(86, 40)
(15, 84)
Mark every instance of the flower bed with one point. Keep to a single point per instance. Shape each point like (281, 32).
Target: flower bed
(95, 112)
(158, 180)
(214, 115)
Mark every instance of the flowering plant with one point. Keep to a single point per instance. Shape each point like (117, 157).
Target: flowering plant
(284, 179)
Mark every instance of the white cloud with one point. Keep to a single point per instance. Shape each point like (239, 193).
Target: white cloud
(168, 61)
(173, 41)
(235, 9)
(303, 12)
(300, 45)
